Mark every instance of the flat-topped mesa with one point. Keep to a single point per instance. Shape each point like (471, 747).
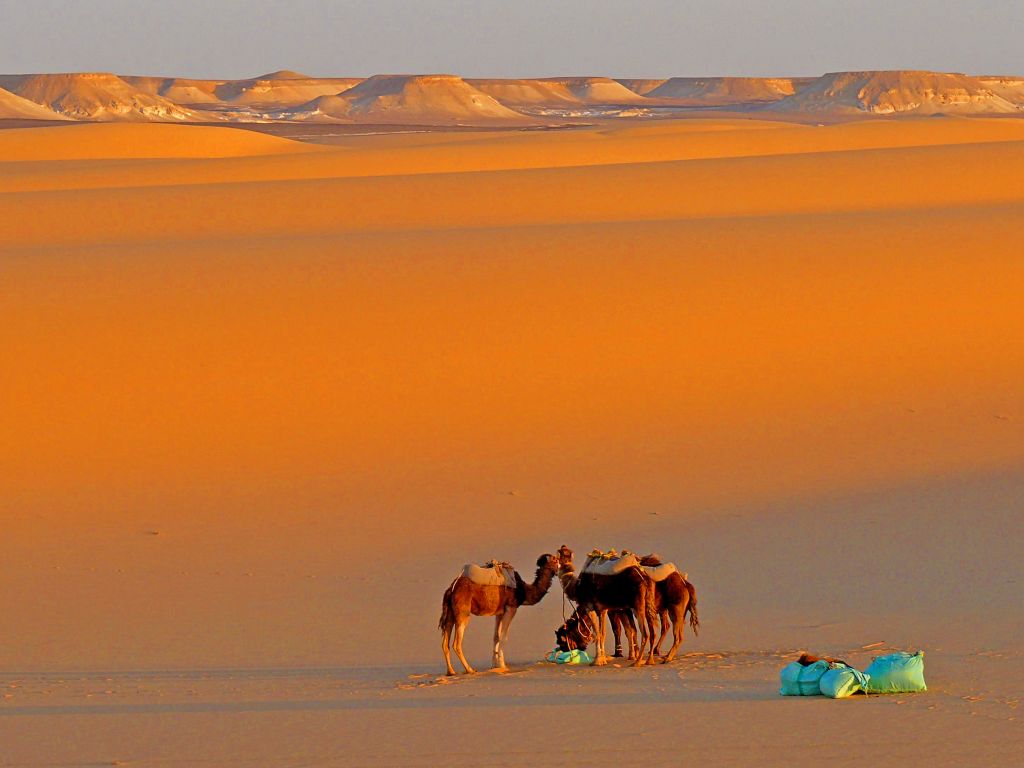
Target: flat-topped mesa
(1009, 87)
(184, 91)
(641, 85)
(721, 91)
(272, 92)
(416, 100)
(896, 92)
(526, 93)
(94, 96)
(596, 90)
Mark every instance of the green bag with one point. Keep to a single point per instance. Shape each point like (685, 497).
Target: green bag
(841, 681)
(575, 656)
(896, 673)
(798, 680)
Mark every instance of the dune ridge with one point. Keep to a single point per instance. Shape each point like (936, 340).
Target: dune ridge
(32, 160)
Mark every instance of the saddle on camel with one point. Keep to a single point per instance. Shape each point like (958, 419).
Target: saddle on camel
(673, 595)
(494, 589)
(674, 598)
(610, 582)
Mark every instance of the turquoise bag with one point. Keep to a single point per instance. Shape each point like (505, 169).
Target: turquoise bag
(897, 673)
(798, 680)
(575, 656)
(841, 681)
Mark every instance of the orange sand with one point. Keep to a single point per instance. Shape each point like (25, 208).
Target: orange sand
(239, 369)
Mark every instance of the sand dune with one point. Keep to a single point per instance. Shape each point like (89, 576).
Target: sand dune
(718, 91)
(94, 96)
(788, 357)
(896, 92)
(438, 153)
(120, 142)
(790, 184)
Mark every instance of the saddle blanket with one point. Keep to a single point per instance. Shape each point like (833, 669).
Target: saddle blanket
(493, 574)
(661, 572)
(609, 567)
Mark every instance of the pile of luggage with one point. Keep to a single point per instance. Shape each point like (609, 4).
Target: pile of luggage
(894, 673)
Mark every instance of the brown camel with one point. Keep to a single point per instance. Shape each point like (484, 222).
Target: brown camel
(596, 595)
(465, 598)
(674, 597)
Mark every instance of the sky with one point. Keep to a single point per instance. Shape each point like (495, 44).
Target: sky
(513, 38)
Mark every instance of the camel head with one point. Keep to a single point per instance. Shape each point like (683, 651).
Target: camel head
(549, 562)
(564, 557)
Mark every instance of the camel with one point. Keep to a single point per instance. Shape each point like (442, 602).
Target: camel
(597, 595)
(464, 598)
(674, 597)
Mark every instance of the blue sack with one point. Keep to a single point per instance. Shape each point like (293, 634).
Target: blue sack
(897, 673)
(798, 680)
(841, 681)
(575, 656)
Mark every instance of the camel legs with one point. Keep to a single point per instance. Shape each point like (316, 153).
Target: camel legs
(597, 624)
(662, 633)
(616, 633)
(678, 624)
(460, 631)
(645, 615)
(446, 636)
(630, 624)
(496, 662)
(502, 626)
(650, 615)
(622, 622)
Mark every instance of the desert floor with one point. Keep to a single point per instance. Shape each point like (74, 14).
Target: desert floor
(262, 399)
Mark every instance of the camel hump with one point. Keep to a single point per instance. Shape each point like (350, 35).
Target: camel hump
(610, 566)
(661, 572)
(493, 574)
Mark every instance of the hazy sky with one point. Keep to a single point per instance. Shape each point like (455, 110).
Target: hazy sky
(237, 38)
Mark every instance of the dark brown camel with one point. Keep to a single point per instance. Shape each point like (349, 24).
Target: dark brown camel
(596, 595)
(674, 597)
(465, 598)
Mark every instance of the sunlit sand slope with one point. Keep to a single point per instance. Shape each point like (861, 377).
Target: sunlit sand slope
(380, 354)
(176, 155)
(262, 400)
(783, 185)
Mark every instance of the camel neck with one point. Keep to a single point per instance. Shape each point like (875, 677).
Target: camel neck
(567, 577)
(541, 584)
